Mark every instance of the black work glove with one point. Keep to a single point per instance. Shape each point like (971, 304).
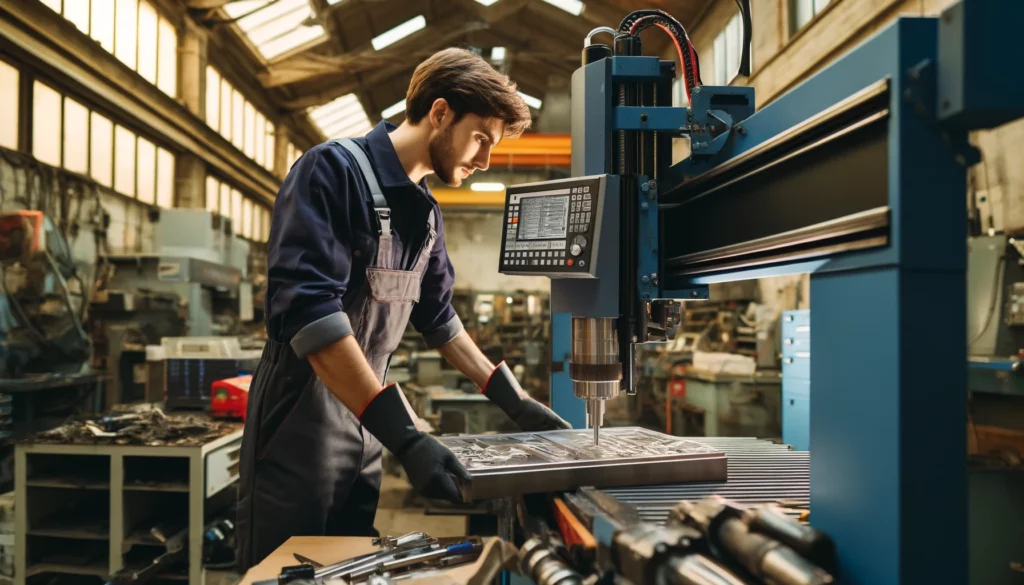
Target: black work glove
(433, 469)
(528, 414)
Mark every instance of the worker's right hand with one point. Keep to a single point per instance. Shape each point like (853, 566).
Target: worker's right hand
(433, 469)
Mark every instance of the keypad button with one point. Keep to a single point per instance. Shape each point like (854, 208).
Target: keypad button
(586, 206)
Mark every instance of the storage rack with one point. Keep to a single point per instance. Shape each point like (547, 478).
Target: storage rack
(117, 487)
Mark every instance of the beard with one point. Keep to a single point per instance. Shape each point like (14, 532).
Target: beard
(442, 159)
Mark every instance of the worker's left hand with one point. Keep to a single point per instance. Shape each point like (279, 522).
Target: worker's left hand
(528, 414)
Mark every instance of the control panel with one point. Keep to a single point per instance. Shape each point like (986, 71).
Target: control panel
(551, 228)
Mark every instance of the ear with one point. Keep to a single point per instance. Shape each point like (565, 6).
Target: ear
(439, 112)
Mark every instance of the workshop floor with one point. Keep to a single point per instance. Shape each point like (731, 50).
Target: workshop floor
(392, 518)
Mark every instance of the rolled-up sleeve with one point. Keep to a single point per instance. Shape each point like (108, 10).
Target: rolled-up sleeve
(309, 256)
(434, 317)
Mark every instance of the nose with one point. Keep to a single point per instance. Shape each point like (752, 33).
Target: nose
(483, 158)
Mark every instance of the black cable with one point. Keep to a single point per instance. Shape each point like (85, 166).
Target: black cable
(638, 21)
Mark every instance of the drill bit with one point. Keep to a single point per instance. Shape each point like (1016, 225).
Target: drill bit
(594, 408)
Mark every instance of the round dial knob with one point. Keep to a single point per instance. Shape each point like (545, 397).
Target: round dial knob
(578, 243)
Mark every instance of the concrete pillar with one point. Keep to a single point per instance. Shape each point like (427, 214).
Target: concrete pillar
(190, 181)
(192, 68)
(282, 137)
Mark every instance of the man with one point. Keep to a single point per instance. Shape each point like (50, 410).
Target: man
(356, 252)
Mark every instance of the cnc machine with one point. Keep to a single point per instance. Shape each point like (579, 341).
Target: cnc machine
(857, 176)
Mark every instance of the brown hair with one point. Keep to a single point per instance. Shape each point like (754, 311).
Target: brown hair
(470, 86)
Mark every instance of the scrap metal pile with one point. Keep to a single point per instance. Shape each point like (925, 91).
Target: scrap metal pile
(138, 426)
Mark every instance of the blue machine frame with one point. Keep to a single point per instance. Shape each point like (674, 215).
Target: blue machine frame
(889, 478)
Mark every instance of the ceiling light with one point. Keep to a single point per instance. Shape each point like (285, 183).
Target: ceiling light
(531, 101)
(498, 54)
(574, 7)
(487, 186)
(393, 109)
(399, 32)
(332, 2)
(486, 2)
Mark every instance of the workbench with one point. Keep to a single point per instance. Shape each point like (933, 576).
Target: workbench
(98, 501)
(332, 549)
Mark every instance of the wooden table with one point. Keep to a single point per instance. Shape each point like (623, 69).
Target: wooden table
(331, 549)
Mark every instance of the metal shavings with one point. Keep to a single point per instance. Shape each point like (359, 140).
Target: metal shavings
(149, 427)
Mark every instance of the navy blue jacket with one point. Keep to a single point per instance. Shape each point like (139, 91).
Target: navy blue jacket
(324, 233)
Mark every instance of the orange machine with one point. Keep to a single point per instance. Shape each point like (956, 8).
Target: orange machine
(230, 397)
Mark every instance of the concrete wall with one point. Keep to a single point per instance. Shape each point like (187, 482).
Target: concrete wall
(474, 243)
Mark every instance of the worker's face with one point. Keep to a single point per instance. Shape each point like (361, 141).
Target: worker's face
(457, 149)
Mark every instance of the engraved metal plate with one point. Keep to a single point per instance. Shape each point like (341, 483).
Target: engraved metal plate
(522, 463)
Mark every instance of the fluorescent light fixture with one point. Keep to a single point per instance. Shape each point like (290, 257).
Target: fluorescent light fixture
(487, 186)
(486, 2)
(332, 2)
(498, 54)
(342, 118)
(399, 32)
(393, 109)
(531, 101)
(574, 7)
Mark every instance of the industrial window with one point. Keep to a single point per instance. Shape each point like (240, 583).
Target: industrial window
(293, 154)
(164, 178)
(261, 143)
(76, 137)
(237, 113)
(146, 171)
(271, 138)
(341, 118)
(246, 218)
(148, 22)
(212, 193)
(249, 123)
(77, 12)
(236, 210)
(124, 161)
(9, 85)
(213, 98)
(802, 11)
(275, 26)
(125, 29)
(257, 223)
(101, 147)
(167, 63)
(54, 5)
(266, 225)
(225, 200)
(727, 50)
(46, 124)
(101, 29)
(225, 109)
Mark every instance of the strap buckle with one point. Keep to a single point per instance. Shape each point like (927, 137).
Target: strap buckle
(384, 218)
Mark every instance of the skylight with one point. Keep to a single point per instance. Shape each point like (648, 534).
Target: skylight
(393, 109)
(275, 26)
(498, 54)
(342, 118)
(574, 7)
(531, 101)
(399, 32)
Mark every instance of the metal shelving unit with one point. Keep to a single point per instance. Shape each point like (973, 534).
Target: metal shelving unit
(56, 484)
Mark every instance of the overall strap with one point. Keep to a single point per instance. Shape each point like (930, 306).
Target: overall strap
(428, 244)
(380, 205)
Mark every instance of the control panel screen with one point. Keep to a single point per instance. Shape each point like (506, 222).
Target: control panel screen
(552, 227)
(544, 217)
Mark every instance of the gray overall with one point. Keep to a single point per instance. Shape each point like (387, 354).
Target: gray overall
(308, 468)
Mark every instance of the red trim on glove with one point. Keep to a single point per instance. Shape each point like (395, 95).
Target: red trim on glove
(370, 401)
(491, 377)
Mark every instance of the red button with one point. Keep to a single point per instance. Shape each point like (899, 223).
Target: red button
(569, 261)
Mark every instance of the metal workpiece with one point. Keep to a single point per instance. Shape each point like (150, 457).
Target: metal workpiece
(541, 564)
(760, 472)
(522, 463)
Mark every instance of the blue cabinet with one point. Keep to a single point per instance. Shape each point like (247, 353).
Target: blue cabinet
(796, 379)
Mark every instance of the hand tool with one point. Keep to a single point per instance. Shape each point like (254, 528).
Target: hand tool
(307, 561)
